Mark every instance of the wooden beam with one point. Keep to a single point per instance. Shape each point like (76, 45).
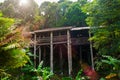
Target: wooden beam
(35, 50)
(91, 52)
(51, 51)
(41, 44)
(69, 52)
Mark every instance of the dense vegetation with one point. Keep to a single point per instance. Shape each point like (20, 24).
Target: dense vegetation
(63, 13)
(101, 15)
(104, 19)
(12, 42)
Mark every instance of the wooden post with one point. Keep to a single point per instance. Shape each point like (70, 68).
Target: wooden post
(69, 52)
(35, 50)
(61, 62)
(51, 51)
(91, 52)
(44, 54)
(39, 54)
(80, 53)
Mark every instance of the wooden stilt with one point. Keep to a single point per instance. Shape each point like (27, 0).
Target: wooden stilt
(39, 54)
(91, 52)
(35, 50)
(80, 53)
(61, 60)
(51, 51)
(44, 54)
(69, 52)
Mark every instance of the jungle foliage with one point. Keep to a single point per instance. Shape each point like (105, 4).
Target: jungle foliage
(104, 19)
(103, 16)
(63, 13)
(12, 42)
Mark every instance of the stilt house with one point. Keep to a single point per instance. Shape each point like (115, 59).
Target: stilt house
(63, 48)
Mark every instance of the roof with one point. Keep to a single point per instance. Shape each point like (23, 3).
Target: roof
(59, 29)
(53, 29)
(80, 28)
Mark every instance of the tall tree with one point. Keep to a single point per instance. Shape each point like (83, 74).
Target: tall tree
(104, 19)
(75, 16)
(25, 12)
(62, 1)
(49, 11)
(62, 9)
(82, 2)
(105, 13)
(63, 13)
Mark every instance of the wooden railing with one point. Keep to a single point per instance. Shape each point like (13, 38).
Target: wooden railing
(60, 38)
(55, 39)
(80, 41)
(63, 38)
(43, 40)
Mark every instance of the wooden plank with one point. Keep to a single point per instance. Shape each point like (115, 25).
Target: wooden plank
(69, 52)
(51, 51)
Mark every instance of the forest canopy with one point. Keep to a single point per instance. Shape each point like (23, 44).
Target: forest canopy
(102, 16)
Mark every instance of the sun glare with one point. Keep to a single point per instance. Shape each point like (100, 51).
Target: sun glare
(23, 2)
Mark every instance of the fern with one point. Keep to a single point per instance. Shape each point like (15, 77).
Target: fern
(12, 43)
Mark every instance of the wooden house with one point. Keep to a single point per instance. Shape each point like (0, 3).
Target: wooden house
(62, 48)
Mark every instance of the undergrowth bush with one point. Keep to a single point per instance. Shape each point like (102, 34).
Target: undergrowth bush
(29, 72)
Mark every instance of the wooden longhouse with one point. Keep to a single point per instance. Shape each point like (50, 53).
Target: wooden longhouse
(62, 46)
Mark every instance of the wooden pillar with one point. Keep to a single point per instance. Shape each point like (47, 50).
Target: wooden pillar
(51, 51)
(35, 50)
(44, 55)
(80, 53)
(39, 54)
(61, 60)
(69, 52)
(91, 52)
